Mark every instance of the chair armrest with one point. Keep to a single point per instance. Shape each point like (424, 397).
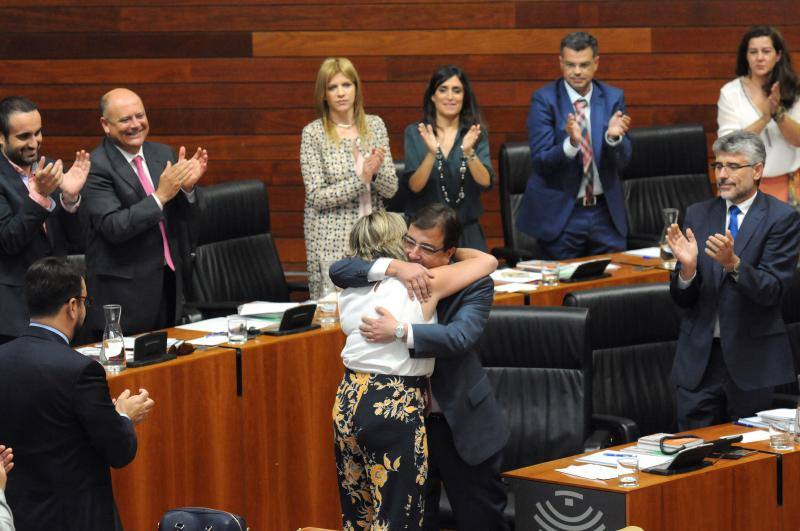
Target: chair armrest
(205, 310)
(641, 240)
(512, 256)
(597, 440)
(621, 429)
(296, 280)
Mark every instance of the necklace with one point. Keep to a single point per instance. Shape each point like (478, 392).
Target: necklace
(343, 126)
(462, 170)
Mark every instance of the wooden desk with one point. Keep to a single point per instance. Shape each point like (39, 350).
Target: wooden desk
(189, 449)
(729, 495)
(632, 270)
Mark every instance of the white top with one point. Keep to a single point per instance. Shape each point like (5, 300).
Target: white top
(6, 519)
(381, 358)
(735, 111)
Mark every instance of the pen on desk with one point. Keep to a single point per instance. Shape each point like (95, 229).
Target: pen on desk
(617, 454)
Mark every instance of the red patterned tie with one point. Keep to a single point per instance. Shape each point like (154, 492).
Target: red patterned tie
(148, 189)
(586, 151)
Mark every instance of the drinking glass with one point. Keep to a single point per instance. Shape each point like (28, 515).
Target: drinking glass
(628, 471)
(237, 330)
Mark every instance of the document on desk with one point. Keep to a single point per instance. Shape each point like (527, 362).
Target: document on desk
(647, 252)
(610, 457)
(589, 471)
(515, 287)
(218, 325)
(261, 308)
(755, 436)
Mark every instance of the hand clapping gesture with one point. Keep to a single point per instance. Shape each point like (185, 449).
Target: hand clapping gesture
(774, 99)
(618, 125)
(573, 129)
(471, 138)
(47, 177)
(684, 248)
(201, 158)
(372, 164)
(428, 136)
(73, 180)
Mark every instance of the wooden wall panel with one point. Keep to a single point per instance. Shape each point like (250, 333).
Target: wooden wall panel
(236, 76)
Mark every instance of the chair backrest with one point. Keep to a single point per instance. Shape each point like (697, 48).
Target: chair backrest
(633, 334)
(538, 360)
(400, 199)
(668, 168)
(235, 258)
(232, 209)
(515, 169)
(791, 316)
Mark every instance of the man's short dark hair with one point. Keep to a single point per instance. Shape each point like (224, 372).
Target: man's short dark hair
(49, 284)
(439, 216)
(579, 40)
(11, 105)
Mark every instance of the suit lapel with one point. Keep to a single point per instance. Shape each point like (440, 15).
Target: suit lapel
(752, 220)
(564, 105)
(123, 168)
(597, 118)
(715, 225)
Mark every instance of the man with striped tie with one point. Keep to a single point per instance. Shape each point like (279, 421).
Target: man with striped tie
(139, 202)
(733, 347)
(573, 203)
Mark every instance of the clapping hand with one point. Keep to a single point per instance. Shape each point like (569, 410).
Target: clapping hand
(618, 125)
(73, 180)
(471, 138)
(48, 177)
(720, 248)
(199, 167)
(428, 136)
(372, 164)
(774, 99)
(6, 464)
(684, 248)
(573, 129)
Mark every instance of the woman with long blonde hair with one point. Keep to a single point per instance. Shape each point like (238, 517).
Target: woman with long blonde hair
(346, 165)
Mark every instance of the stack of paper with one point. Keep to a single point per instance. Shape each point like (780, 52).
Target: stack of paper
(589, 471)
(777, 415)
(610, 457)
(266, 309)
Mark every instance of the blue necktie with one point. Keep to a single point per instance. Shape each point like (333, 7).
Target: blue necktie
(733, 224)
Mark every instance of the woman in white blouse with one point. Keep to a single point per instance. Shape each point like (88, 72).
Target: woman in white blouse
(379, 430)
(763, 100)
(346, 165)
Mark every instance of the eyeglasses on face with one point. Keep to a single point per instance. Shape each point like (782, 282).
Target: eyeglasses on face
(411, 243)
(730, 166)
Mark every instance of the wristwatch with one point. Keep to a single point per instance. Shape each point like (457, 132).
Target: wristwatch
(399, 330)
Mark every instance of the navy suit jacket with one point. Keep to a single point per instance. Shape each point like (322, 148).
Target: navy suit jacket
(752, 332)
(58, 417)
(552, 190)
(125, 253)
(23, 241)
(459, 381)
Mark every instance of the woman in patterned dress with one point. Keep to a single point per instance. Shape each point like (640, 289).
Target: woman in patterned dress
(346, 165)
(447, 154)
(379, 430)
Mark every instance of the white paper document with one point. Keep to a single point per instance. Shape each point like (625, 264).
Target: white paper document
(610, 457)
(211, 340)
(515, 287)
(266, 308)
(755, 436)
(220, 324)
(589, 471)
(647, 252)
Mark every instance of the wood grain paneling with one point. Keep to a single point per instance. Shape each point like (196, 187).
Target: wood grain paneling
(488, 41)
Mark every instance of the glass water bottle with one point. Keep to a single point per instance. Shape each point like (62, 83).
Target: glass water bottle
(112, 354)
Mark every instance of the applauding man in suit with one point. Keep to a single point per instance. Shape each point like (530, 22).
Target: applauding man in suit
(573, 202)
(38, 202)
(140, 200)
(736, 257)
(57, 413)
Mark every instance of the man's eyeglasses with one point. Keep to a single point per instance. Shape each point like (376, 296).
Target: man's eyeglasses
(730, 166)
(87, 301)
(411, 243)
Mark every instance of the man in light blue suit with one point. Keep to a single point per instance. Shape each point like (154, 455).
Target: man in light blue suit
(466, 429)
(573, 203)
(733, 347)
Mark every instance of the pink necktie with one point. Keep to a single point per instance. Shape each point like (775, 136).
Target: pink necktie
(148, 189)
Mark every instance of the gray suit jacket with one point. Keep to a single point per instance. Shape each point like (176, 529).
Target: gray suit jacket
(125, 253)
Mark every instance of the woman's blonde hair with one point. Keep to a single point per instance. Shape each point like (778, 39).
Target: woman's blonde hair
(329, 68)
(378, 235)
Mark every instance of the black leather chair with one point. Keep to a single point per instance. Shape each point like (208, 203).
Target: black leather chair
(633, 332)
(789, 394)
(539, 362)
(400, 200)
(515, 169)
(668, 168)
(235, 259)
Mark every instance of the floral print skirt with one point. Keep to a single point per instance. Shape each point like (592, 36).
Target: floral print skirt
(381, 450)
